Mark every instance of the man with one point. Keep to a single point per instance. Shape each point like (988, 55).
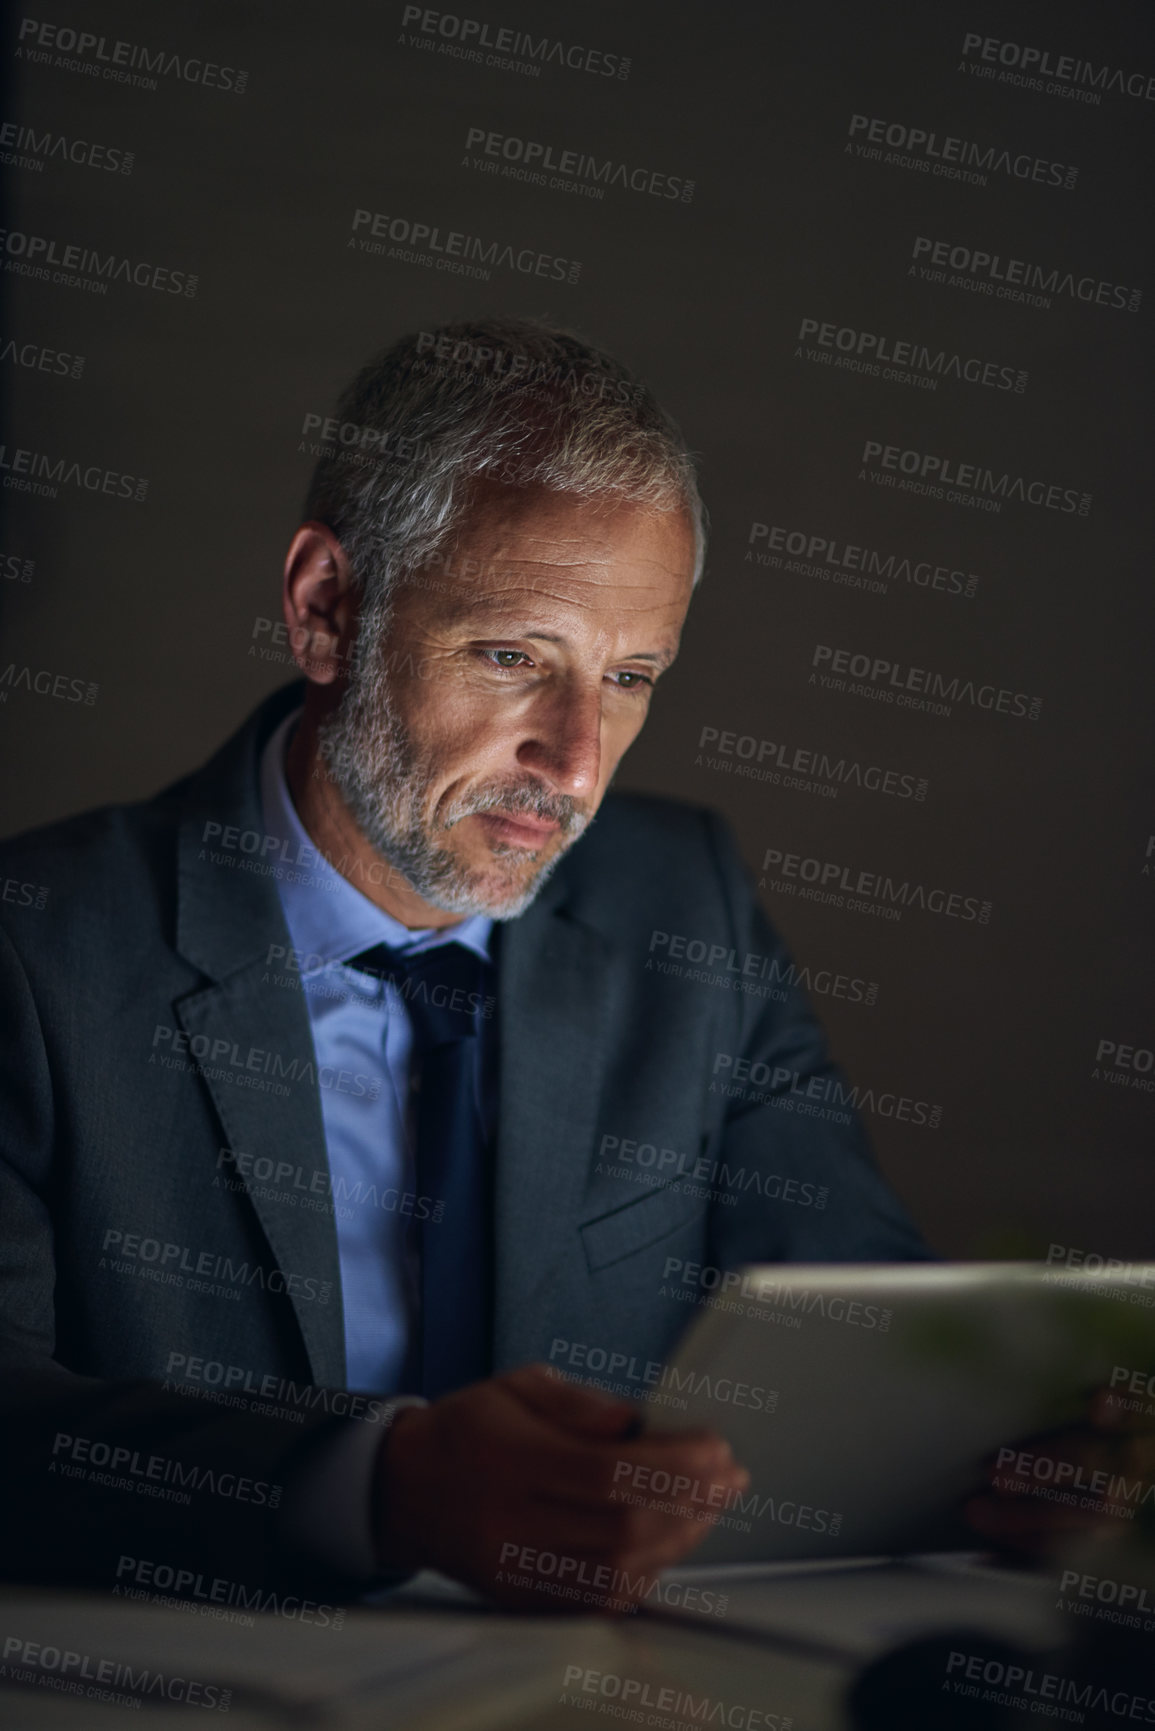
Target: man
(315, 1066)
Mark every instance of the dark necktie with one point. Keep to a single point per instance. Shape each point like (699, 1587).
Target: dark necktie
(444, 991)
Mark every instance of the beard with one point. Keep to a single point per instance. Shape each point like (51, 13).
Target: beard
(374, 763)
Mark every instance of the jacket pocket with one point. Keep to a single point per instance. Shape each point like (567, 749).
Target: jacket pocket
(612, 1237)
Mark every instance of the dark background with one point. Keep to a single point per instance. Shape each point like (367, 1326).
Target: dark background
(158, 602)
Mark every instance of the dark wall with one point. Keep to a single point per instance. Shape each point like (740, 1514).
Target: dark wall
(1032, 810)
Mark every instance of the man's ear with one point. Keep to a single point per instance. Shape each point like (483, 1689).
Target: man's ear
(319, 603)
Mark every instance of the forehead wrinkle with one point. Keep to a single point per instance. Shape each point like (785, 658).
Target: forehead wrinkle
(595, 546)
(597, 576)
(525, 599)
(598, 567)
(578, 555)
(559, 551)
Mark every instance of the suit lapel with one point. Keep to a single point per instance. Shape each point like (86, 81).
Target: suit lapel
(260, 1069)
(260, 1066)
(554, 997)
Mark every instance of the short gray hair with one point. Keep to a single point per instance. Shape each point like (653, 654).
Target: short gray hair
(513, 400)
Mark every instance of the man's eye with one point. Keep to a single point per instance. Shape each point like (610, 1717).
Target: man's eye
(504, 657)
(630, 681)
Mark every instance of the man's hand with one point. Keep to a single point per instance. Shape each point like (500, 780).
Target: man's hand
(518, 1487)
(1053, 1487)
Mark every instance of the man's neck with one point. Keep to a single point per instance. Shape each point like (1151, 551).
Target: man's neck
(336, 835)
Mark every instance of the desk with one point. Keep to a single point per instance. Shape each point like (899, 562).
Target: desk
(428, 1658)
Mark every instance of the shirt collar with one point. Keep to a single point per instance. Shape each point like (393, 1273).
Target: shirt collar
(329, 919)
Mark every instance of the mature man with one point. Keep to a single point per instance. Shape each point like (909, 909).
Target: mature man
(325, 1072)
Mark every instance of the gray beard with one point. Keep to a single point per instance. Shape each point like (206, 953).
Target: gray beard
(372, 762)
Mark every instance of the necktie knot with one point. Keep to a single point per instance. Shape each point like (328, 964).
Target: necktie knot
(442, 988)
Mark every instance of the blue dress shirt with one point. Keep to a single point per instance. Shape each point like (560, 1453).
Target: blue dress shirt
(363, 1039)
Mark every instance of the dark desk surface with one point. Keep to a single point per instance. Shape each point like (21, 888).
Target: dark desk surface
(783, 1653)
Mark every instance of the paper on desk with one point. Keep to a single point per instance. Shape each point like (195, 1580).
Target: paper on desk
(862, 1607)
(274, 1655)
(431, 1667)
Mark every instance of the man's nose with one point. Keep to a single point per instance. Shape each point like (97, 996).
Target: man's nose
(565, 742)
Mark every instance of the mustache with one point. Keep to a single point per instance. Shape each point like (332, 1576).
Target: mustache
(521, 799)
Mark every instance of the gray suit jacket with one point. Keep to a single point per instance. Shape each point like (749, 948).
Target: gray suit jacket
(145, 1029)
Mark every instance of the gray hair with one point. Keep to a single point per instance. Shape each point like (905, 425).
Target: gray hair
(513, 400)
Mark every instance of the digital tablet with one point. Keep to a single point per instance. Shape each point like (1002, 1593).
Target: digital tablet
(865, 1399)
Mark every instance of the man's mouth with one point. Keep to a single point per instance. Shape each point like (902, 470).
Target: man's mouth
(521, 831)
